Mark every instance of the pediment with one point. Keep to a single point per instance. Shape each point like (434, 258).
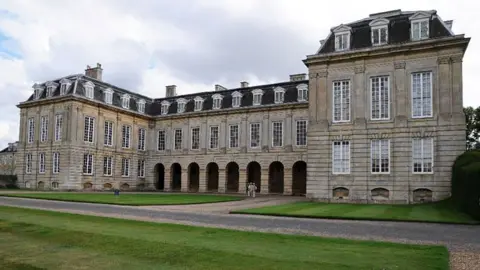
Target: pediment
(420, 16)
(257, 91)
(198, 98)
(165, 102)
(50, 83)
(342, 28)
(65, 81)
(302, 86)
(89, 84)
(217, 96)
(181, 100)
(379, 22)
(279, 89)
(236, 94)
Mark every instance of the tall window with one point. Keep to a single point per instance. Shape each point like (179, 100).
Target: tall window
(88, 164)
(236, 99)
(279, 95)
(161, 140)
(164, 108)
(50, 90)
(181, 107)
(254, 135)
(380, 156)
(28, 165)
(89, 129)
(198, 104)
(422, 151)
(108, 136)
(302, 92)
(233, 138)
(277, 134)
(257, 99)
(141, 106)
(108, 96)
(341, 101)
(41, 163)
(141, 168)
(341, 157)
(217, 102)
(44, 128)
(342, 41)
(126, 136)
(125, 167)
(301, 132)
(107, 165)
(420, 30)
(58, 127)
(31, 130)
(141, 139)
(195, 138)
(380, 97)
(178, 139)
(422, 94)
(89, 90)
(63, 89)
(126, 101)
(214, 131)
(56, 162)
(380, 35)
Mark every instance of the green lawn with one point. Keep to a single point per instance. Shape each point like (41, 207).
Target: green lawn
(37, 239)
(440, 212)
(128, 199)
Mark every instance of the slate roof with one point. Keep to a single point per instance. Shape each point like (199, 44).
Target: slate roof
(398, 30)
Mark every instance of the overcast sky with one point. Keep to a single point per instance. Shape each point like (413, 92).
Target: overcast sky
(144, 45)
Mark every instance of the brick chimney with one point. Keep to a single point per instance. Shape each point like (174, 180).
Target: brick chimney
(243, 84)
(94, 72)
(171, 91)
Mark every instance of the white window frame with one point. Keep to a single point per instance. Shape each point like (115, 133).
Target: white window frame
(87, 164)
(30, 130)
(141, 168)
(125, 167)
(195, 139)
(108, 96)
(257, 97)
(236, 143)
(41, 163)
(379, 155)
(343, 118)
(142, 134)
(28, 163)
(58, 127)
(37, 91)
(44, 128)
(126, 101)
(344, 32)
(259, 143)
(89, 90)
(345, 165)
(141, 106)
(236, 99)
(56, 163)
(107, 166)
(279, 95)
(273, 133)
(64, 85)
(297, 122)
(89, 129)
(380, 97)
(198, 104)
(302, 92)
(179, 140)
(422, 155)
(430, 104)
(181, 105)
(50, 89)
(159, 142)
(108, 133)
(214, 140)
(217, 101)
(126, 136)
(164, 108)
(376, 26)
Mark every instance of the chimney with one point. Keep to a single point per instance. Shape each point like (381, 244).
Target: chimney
(298, 77)
(449, 24)
(243, 84)
(218, 87)
(171, 91)
(95, 72)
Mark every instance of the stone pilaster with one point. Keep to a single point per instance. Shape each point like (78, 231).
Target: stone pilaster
(202, 181)
(444, 89)
(399, 95)
(264, 181)
(242, 181)
(185, 180)
(222, 183)
(287, 181)
(167, 181)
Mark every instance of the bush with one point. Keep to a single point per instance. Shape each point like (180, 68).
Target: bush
(466, 183)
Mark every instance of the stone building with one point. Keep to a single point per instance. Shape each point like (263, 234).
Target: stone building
(7, 159)
(382, 105)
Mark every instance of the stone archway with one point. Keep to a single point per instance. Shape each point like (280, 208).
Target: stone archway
(299, 178)
(87, 186)
(193, 177)
(212, 176)
(275, 177)
(159, 176)
(176, 174)
(254, 174)
(41, 185)
(233, 177)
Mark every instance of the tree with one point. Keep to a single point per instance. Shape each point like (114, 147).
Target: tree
(472, 118)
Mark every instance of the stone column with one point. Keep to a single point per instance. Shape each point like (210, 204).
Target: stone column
(359, 100)
(202, 180)
(444, 92)
(242, 181)
(243, 134)
(185, 180)
(167, 182)
(222, 183)
(457, 99)
(287, 181)
(288, 136)
(399, 95)
(264, 181)
(265, 132)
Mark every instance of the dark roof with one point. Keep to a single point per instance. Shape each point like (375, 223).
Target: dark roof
(398, 31)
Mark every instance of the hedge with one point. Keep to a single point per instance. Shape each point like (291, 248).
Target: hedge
(466, 183)
(10, 180)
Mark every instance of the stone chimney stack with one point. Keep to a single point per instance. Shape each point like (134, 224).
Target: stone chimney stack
(243, 84)
(171, 91)
(449, 24)
(298, 77)
(94, 72)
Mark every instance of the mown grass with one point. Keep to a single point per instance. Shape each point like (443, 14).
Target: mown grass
(37, 239)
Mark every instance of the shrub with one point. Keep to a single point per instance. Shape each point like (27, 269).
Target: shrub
(466, 183)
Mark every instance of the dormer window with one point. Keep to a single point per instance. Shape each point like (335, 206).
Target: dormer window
(420, 26)
(126, 101)
(181, 105)
(257, 96)
(141, 106)
(342, 37)
(108, 96)
(89, 89)
(50, 88)
(198, 103)
(279, 94)
(217, 101)
(302, 92)
(165, 107)
(236, 99)
(37, 91)
(64, 84)
(379, 30)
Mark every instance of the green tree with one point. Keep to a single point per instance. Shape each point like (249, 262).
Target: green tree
(472, 118)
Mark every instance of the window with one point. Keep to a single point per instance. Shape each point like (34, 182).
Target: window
(89, 129)
(55, 185)
(341, 101)
(236, 99)
(380, 98)
(380, 156)
(63, 88)
(89, 89)
(108, 136)
(141, 106)
(420, 29)
(195, 138)
(342, 41)
(198, 104)
(41, 163)
(277, 134)
(301, 132)
(58, 127)
(141, 139)
(28, 165)
(165, 107)
(233, 138)
(125, 167)
(181, 105)
(257, 96)
(178, 139)
(279, 94)
(214, 131)
(422, 94)
(161, 140)
(141, 168)
(126, 136)
(107, 166)
(88, 164)
(56, 162)
(126, 101)
(31, 130)
(50, 90)
(379, 35)
(217, 101)
(108, 96)
(341, 157)
(422, 151)
(44, 128)
(255, 135)
(302, 92)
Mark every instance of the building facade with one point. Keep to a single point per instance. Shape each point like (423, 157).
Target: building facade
(381, 111)
(7, 159)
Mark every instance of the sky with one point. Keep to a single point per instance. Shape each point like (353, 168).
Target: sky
(144, 45)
